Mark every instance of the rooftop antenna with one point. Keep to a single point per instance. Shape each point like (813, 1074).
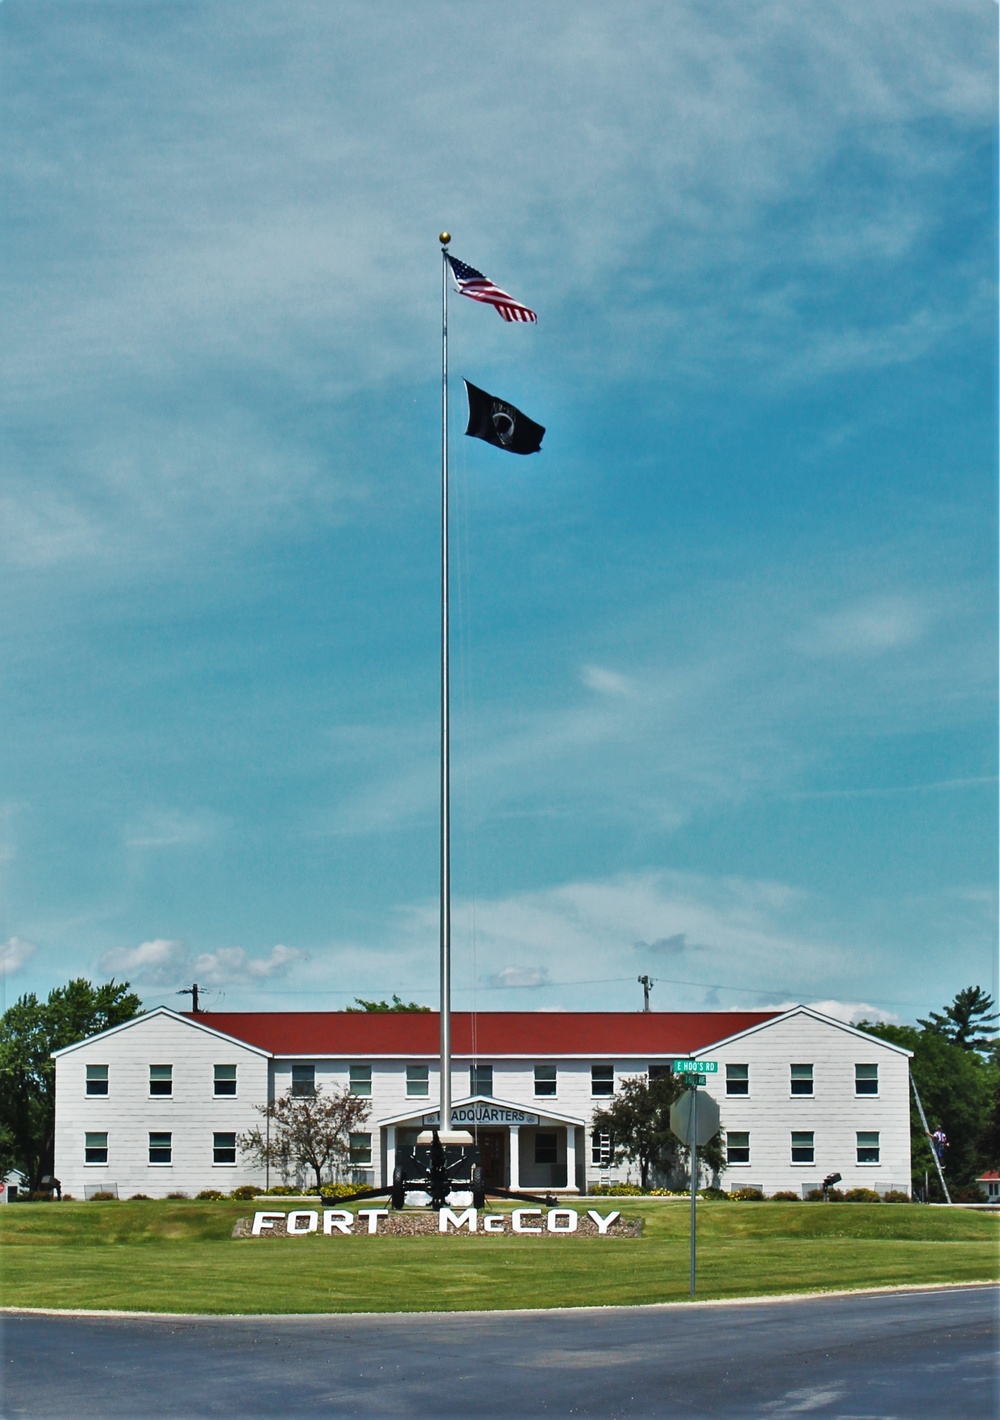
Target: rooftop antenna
(192, 991)
(646, 983)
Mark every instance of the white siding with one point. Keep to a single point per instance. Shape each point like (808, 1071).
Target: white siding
(191, 1115)
(834, 1114)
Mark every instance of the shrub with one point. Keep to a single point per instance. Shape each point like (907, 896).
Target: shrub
(245, 1192)
(748, 1195)
(338, 1190)
(862, 1195)
(140, 1198)
(961, 1194)
(616, 1190)
(785, 1197)
(283, 1190)
(895, 1195)
(178, 1195)
(717, 1195)
(209, 1194)
(815, 1195)
(40, 1197)
(103, 1197)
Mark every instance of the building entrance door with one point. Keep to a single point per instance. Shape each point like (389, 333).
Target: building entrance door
(491, 1157)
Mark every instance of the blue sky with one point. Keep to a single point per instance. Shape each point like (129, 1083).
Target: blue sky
(724, 652)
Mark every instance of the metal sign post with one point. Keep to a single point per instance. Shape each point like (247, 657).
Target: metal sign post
(694, 1184)
(695, 1121)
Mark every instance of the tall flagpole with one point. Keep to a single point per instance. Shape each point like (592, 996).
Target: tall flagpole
(444, 1117)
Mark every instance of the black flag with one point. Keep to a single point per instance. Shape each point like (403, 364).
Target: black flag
(501, 424)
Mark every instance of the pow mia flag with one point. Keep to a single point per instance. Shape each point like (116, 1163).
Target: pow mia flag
(499, 423)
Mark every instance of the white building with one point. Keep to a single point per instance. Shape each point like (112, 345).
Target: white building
(156, 1106)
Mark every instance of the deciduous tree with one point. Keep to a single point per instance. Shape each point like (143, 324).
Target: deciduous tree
(29, 1031)
(313, 1131)
(638, 1122)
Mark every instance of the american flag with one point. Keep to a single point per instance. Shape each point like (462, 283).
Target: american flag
(477, 287)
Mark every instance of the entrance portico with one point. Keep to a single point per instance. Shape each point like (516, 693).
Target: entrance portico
(519, 1148)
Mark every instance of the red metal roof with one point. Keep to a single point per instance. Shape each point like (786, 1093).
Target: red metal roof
(498, 1033)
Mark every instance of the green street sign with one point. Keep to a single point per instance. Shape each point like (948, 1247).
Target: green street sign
(695, 1067)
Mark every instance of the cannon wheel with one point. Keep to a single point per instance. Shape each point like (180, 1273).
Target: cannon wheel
(398, 1187)
(478, 1188)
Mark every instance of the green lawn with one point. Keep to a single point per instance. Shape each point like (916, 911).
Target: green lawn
(179, 1256)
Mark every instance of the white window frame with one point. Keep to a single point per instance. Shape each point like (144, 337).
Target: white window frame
(359, 1081)
(475, 1088)
(802, 1163)
(150, 1146)
(414, 1082)
(738, 1080)
(354, 1148)
(553, 1081)
(228, 1134)
(792, 1079)
(738, 1163)
(601, 1094)
(216, 1081)
(300, 1093)
(104, 1080)
(877, 1146)
(96, 1134)
(160, 1080)
(866, 1094)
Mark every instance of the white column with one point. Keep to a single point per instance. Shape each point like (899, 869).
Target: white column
(390, 1154)
(571, 1157)
(515, 1159)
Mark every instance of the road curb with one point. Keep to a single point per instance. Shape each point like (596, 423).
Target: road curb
(781, 1298)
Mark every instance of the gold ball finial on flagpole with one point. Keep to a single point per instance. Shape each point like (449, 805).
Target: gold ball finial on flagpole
(444, 238)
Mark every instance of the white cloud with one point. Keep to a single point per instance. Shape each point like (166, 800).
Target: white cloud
(849, 1011)
(15, 953)
(605, 681)
(159, 962)
(226, 261)
(234, 964)
(526, 976)
(871, 627)
(173, 828)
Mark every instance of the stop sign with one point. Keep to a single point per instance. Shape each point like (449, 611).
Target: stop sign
(709, 1117)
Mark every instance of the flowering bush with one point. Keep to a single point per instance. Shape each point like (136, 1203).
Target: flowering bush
(747, 1195)
(862, 1195)
(784, 1197)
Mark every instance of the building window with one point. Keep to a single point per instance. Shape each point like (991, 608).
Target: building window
(161, 1080)
(659, 1072)
(602, 1079)
(600, 1149)
(97, 1079)
(418, 1081)
(225, 1079)
(361, 1081)
(223, 1148)
(868, 1148)
(303, 1080)
(546, 1149)
(361, 1148)
(737, 1079)
(160, 1149)
(95, 1148)
(545, 1079)
(803, 1147)
(866, 1079)
(802, 1079)
(481, 1080)
(737, 1146)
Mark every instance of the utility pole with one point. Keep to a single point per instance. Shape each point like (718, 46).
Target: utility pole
(647, 985)
(191, 991)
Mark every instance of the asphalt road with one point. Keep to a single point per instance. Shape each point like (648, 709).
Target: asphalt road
(906, 1356)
